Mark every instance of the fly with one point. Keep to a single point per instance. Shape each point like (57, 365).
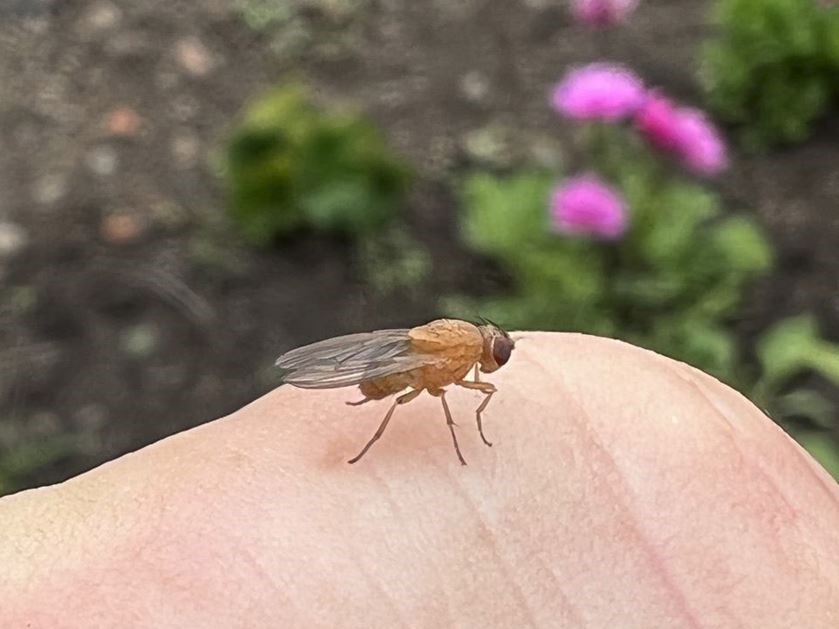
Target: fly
(382, 363)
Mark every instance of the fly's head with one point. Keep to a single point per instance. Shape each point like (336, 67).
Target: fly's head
(497, 346)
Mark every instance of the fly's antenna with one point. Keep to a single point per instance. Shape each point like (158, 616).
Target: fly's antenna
(493, 324)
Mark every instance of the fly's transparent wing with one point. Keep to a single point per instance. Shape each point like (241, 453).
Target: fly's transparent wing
(351, 359)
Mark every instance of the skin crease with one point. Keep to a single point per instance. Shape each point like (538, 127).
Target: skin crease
(624, 490)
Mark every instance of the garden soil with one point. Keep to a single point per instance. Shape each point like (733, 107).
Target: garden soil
(128, 311)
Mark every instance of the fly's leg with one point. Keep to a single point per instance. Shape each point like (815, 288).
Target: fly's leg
(402, 399)
(440, 393)
(360, 402)
(484, 387)
(478, 416)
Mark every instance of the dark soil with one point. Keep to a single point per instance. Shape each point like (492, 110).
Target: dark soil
(117, 326)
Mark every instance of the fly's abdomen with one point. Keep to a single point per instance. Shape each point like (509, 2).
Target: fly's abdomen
(380, 388)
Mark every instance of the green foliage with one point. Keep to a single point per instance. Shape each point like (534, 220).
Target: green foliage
(773, 65)
(675, 283)
(291, 165)
(823, 449)
(794, 344)
(671, 284)
(29, 457)
(296, 28)
(261, 15)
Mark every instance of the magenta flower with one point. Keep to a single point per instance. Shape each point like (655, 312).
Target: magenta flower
(683, 131)
(599, 91)
(586, 205)
(602, 12)
(658, 121)
(700, 144)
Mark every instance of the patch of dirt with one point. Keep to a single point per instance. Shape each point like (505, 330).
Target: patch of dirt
(121, 321)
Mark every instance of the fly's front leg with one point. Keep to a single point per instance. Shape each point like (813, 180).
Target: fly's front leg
(486, 388)
(440, 393)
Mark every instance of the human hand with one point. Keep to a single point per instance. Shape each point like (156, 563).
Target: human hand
(623, 490)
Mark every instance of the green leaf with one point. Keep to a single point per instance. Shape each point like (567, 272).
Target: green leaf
(786, 348)
(502, 214)
(702, 344)
(794, 345)
(823, 449)
(671, 217)
(570, 271)
(805, 403)
(825, 361)
(772, 65)
(742, 245)
(293, 165)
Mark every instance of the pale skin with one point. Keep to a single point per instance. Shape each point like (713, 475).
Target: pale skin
(623, 490)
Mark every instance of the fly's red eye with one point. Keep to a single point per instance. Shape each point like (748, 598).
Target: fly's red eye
(501, 349)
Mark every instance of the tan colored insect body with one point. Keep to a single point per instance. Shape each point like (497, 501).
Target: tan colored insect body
(456, 346)
(382, 363)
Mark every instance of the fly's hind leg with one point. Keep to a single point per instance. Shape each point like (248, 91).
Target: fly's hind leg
(360, 402)
(484, 387)
(402, 399)
(440, 393)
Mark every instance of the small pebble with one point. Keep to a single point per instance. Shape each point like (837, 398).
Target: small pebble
(121, 227)
(185, 149)
(141, 340)
(100, 17)
(102, 160)
(49, 189)
(475, 86)
(193, 56)
(123, 121)
(13, 238)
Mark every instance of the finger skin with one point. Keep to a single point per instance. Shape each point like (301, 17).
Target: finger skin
(623, 490)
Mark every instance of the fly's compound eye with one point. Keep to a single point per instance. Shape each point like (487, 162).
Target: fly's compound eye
(501, 349)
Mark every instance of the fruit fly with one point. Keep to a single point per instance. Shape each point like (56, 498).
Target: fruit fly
(383, 363)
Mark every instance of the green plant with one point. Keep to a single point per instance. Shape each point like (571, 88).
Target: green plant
(633, 248)
(791, 347)
(671, 284)
(772, 66)
(293, 165)
(675, 283)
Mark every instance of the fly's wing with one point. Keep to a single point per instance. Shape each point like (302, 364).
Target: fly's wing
(351, 359)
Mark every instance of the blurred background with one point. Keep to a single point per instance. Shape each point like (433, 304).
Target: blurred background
(188, 189)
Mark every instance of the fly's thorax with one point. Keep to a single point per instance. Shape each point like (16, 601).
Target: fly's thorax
(498, 346)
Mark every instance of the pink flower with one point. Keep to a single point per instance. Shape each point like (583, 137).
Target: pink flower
(586, 205)
(684, 131)
(658, 121)
(700, 144)
(602, 12)
(599, 90)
